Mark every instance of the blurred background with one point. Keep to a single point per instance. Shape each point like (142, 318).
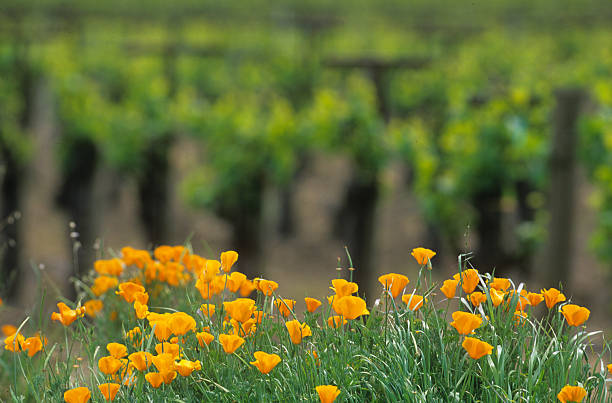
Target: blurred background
(289, 131)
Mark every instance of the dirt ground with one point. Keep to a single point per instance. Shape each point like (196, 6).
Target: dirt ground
(303, 265)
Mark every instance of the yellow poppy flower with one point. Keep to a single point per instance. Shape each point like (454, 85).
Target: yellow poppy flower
(449, 288)
(109, 390)
(312, 304)
(228, 259)
(297, 331)
(265, 362)
(230, 342)
(465, 322)
(572, 394)
(77, 395)
(476, 348)
(394, 283)
(575, 315)
(327, 393)
(208, 309)
(423, 255)
(552, 297)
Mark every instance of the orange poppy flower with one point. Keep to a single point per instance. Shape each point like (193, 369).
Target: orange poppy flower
(14, 342)
(109, 391)
(476, 348)
(500, 284)
(343, 288)
(204, 338)
(394, 283)
(575, 315)
(155, 379)
(423, 255)
(258, 316)
(327, 393)
(66, 315)
(141, 310)
(335, 321)
(266, 287)
(180, 323)
(534, 298)
(228, 259)
(164, 362)
(297, 331)
(116, 350)
(465, 322)
(265, 362)
(235, 280)
(477, 298)
(139, 258)
(168, 348)
(161, 328)
(34, 344)
(352, 307)
(77, 395)
(610, 368)
(186, 367)
(93, 307)
(8, 330)
(112, 267)
(141, 360)
(208, 309)
(414, 302)
(572, 394)
(312, 304)
(497, 297)
(109, 365)
(102, 284)
(246, 288)
(241, 309)
(128, 290)
(449, 288)
(552, 297)
(285, 306)
(230, 342)
(469, 280)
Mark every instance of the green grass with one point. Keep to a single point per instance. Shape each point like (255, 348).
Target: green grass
(392, 354)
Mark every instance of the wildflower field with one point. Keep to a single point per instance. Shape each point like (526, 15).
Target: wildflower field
(176, 326)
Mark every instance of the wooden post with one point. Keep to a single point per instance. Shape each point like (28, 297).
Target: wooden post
(561, 192)
(355, 221)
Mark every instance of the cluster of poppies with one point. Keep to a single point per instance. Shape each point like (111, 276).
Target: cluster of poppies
(159, 348)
